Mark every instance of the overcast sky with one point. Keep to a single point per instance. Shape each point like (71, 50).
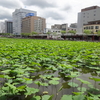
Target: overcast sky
(55, 11)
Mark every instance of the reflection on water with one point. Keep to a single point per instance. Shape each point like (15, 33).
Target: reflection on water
(63, 86)
(63, 83)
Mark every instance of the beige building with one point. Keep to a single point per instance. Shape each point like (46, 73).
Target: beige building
(33, 24)
(93, 27)
(56, 26)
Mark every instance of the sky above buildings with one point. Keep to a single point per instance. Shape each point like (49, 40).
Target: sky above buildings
(55, 11)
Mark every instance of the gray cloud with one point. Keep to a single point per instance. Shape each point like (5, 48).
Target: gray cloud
(39, 3)
(67, 8)
(10, 3)
(5, 15)
(54, 15)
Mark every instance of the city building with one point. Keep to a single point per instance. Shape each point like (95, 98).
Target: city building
(70, 28)
(64, 27)
(33, 24)
(2, 27)
(89, 18)
(18, 14)
(56, 26)
(60, 27)
(8, 27)
(73, 25)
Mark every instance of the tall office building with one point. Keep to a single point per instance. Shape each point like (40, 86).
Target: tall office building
(18, 14)
(89, 18)
(8, 27)
(33, 24)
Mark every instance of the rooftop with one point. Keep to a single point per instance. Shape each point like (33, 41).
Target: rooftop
(90, 8)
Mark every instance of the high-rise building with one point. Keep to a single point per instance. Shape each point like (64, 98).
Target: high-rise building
(89, 18)
(18, 14)
(33, 24)
(8, 27)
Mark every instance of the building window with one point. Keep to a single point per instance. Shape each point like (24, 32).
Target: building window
(91, 27)
(94, 14)
(96, 27)
(86, 27)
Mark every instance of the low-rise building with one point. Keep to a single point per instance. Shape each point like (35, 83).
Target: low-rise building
(73, 25)
(2, 27)
(94, 26)
(88, 18)
(63, 27)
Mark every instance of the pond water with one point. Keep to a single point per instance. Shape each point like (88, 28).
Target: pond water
(63, 82)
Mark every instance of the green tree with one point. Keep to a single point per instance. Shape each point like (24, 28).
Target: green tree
(25, 34)
(34, 33)
(54, 33)
(5, 34)
(98, 32)
(63, 32)
(87, 32)
(72, 31)
(48, 33)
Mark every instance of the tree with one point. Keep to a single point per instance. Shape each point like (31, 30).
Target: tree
(48, 33)
(98, 32)
(25, 34)
(34, 33)
(87, 32)
(63, 32)
(72, 31)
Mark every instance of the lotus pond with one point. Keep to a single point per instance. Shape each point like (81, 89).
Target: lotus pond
(49, 70)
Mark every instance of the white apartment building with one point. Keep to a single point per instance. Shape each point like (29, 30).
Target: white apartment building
(18, 14)
(88, 16)
(2, 27)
